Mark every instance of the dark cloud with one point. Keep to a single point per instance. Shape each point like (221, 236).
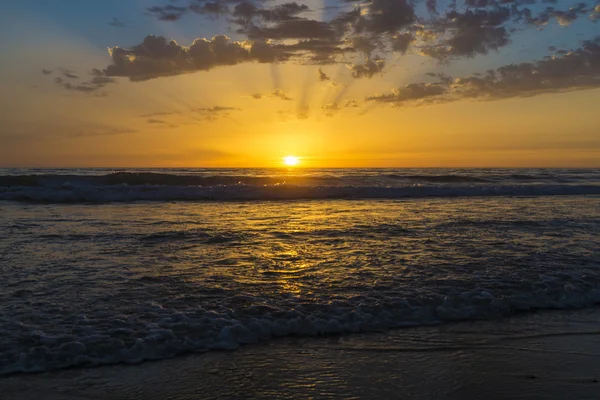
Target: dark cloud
(367, 69)
(85, 87)
(378, 16)
(160, 122)
(573, 70)
(431, 6)
(97, 81)
(283, 12)
(364, 44)
(402, 41)
(562, 17)
(280, 94)
(577, 69)
(470, 33)
(157, 57)
(246, 12)
(316, 51)
(414, 92)
(242, 11)
(294, 29)
(80, 88)
(323, 76)
(465, 29)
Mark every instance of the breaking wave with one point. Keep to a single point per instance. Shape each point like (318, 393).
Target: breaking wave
(158, 332)
(128, 186)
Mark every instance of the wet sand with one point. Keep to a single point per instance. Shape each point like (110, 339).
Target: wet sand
(546, 355)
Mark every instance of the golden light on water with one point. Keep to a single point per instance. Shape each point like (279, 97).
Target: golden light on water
(291, 161)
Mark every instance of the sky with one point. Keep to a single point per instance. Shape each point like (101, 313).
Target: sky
(337, 83)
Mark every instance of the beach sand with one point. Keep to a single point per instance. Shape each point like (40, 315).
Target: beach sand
(544, 355)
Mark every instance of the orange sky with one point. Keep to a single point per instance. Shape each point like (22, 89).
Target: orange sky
(254, 113)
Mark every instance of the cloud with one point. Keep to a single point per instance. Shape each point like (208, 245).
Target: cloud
(414, 92)
(167, 13)
(214, 113)
(156, 57)
(563, 17)
(116, 23)
(470, 33)
(316, 51)
(84, 88)
(155, 121)
(571, 70)
(246, 12)
(595, 15)
(198, 114)
(243, 11)
(323, 76)
(160, 122)
(97, 81)
(402, 41)
(281, 95)
(159, 114)
(476, 27)
(103, 131)
(331, 109)
(364, 44)
(277, 93)
(367, 69)
(293, 29)
(70, 75)
(378, 16)
(214, 8)
(46, 71)
(367, 36)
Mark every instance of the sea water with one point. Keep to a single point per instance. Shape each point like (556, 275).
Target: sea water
(120, 266)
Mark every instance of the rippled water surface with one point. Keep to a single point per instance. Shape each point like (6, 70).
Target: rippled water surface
(89, 284)
(108, 185)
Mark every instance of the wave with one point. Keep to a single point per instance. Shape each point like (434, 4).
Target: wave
(155, 332)
(136, 179)
(441, 178)
(312, 178)
(128, 193)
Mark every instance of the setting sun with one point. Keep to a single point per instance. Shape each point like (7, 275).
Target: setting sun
(290, 161)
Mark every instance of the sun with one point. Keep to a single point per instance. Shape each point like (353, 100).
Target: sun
(290, 161)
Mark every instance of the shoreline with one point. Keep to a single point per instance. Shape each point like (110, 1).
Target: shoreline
(545, 355)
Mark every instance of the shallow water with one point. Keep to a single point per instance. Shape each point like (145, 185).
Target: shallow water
(92, 284)
(544, 355)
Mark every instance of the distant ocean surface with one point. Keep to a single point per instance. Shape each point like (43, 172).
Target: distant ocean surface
(106, 185)
(104, 266)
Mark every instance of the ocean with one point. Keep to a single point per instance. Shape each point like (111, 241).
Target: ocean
(106, 266)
